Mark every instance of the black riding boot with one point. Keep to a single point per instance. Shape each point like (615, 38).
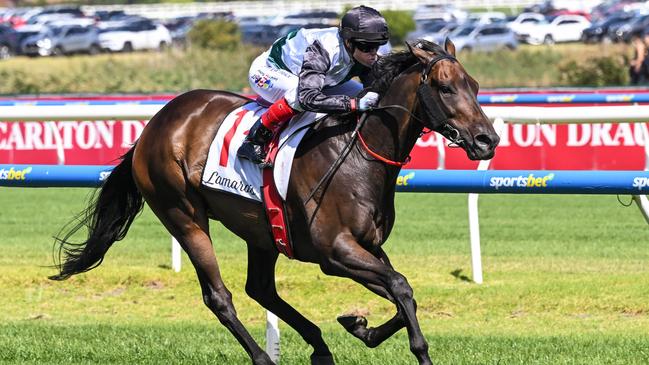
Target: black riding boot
(252, 147)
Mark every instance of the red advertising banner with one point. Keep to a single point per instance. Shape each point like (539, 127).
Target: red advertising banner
(606, 146)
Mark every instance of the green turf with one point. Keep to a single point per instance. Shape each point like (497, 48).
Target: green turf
(565, 283)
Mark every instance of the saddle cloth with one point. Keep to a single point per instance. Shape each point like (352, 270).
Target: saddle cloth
(224, 171)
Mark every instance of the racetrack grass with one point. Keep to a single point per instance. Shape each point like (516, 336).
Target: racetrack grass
(565, 283)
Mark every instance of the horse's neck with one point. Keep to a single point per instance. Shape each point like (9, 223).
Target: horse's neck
(392, 132)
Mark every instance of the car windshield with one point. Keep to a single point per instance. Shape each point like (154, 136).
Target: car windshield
(51, 32)
(115, 29)
(464, 31)
(433, 27)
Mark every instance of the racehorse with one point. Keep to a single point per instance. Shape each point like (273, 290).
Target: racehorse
(340, 199)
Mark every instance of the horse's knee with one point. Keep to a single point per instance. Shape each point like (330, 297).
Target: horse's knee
(399, 287)
(419, 346)
(220, 304)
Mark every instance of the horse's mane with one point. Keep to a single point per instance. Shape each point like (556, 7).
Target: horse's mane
(388, 67)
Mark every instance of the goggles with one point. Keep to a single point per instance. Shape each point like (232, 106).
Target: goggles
(367, 47)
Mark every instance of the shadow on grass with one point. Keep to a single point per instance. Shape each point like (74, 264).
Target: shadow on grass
(457, 273)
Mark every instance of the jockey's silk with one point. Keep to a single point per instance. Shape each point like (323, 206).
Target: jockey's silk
(303, 67)
(288, 53)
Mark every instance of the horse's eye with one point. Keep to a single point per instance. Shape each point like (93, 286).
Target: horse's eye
(445, 89)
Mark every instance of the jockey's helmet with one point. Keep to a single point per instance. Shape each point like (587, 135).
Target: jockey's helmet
(363, 24)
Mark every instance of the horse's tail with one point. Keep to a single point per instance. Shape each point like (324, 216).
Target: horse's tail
(108, 218)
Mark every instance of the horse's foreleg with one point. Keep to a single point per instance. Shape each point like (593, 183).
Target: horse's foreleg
(357, 325)
(349, 259)
(188, 223)
(260, 285)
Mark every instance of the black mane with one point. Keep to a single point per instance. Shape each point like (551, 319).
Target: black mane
(388, 67)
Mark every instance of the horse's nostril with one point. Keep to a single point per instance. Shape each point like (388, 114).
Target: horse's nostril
(483, 140)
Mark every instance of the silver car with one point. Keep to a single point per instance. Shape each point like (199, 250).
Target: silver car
(485, 38)
(56, 41)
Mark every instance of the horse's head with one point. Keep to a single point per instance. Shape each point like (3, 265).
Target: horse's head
(447, 98)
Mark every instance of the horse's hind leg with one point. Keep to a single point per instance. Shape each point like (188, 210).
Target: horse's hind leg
(260, 286)
(349, 259)
(184, 215)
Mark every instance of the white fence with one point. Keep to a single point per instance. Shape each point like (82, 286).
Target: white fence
(266, 8)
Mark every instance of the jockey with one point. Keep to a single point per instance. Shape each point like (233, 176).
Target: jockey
(311, 70)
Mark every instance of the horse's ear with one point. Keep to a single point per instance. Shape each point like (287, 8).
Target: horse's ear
(416, 49)
(449, 47)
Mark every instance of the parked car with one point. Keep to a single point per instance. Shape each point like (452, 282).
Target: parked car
(327, 18)
(425, 27)
(23, 33)
(563, 28)
(445, 13)
(106, 15)
(487, 17)
(524, 21)
(598, 30)
(57, 41)
(440, 36)
(485, 38)
(139, 35)
(622, 32)
(8, 42)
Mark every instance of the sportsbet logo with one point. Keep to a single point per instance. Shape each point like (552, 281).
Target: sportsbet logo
(12, 174)
(641, 182)
(521, 181)
(403, 180)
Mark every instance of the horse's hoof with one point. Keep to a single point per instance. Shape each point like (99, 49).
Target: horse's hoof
(322, 360)
(351, 322)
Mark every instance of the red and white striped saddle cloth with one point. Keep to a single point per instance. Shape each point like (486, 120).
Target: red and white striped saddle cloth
(224, 171)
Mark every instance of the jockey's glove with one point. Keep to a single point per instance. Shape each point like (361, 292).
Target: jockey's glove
(368, 101)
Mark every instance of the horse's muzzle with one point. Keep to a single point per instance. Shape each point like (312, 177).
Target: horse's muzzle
(483, 146)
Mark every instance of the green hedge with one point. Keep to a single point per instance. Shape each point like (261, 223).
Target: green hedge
(215, 34)
(176, 71)
(400, 24)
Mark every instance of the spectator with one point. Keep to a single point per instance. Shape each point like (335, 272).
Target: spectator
(637, 67)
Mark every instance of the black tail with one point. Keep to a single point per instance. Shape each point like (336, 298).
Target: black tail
(108, 218)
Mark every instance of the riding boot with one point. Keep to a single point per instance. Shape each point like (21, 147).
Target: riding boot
(253, 147)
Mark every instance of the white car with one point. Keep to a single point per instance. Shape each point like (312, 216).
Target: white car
(563, 28)
(525, 21)
(138, 35)
(485, 38)
(487, 17)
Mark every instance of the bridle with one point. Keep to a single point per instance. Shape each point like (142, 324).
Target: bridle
(436, 115)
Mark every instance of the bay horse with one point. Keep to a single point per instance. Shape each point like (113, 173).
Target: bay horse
(340, 227)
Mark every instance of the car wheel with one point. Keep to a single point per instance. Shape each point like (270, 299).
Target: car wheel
(128, 47)
(162, 46)
(5, 52)
(57, 51)
(548, 39)
(510, 47)
(467, 49)
(94, 49)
